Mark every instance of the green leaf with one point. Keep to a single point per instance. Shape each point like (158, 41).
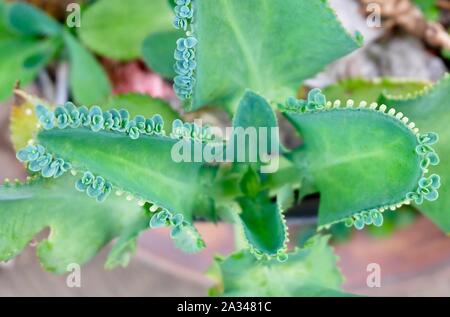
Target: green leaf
(139, 104)
(360, 89)
(253, 117)
(88, 81)
(264, 225)
(360, 159)
(429, 9)
(310, 271)
(143, 167)
(117, 28)
(429, 108)
(268, 46)
(15, 57)
(79, 226)
(157, 51)
(29, 20)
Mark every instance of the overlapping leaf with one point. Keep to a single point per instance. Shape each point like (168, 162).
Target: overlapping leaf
(117, 28)
(239, 47)
(28, 20)
(157, 51)
(143, 167)
(88, 81)
(79, 226)
(263, 222)
(358, 158)
(430, 108)
(310, 271)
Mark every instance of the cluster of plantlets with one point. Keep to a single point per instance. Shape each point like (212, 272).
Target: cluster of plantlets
(364, 159)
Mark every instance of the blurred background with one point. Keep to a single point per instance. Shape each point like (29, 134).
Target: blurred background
(412, 42)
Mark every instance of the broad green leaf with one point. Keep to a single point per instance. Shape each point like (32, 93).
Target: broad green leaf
(310, 271)
(29, 20)
(79, 226)
(268, 46)
(157, 51)
(430, 108)
(139, 104)
(359, 159)
(143, 167)
(88, 81)
(360, 89)
(15, 57)
(117, 28)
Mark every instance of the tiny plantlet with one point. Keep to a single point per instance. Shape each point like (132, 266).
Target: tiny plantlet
(110, 171)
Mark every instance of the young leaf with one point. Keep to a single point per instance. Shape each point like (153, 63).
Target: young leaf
(157, 51)
(29, 20)
(264, 226)
(117, 28)
(14, 54)
(255, 121)
(429, 108)
(239, 47)
(263, 222)
(88, 80)
(310, 271)
(250, 183)
(361, 159)
(79, 226)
